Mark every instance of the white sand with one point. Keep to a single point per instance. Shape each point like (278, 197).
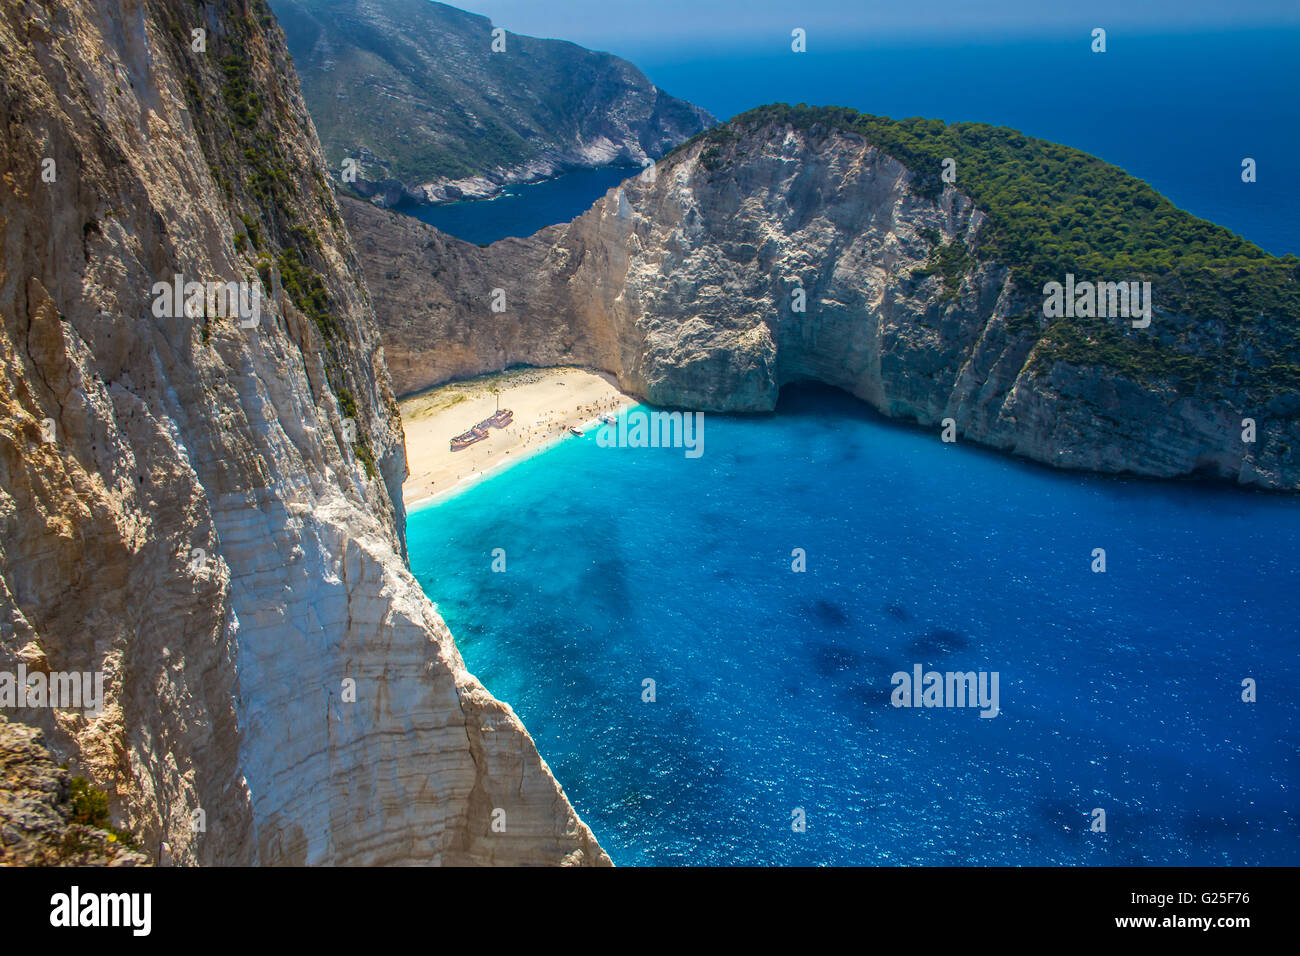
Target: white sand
(546, 402)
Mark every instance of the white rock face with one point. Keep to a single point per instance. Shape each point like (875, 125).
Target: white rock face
(686, 286)
(183, 505)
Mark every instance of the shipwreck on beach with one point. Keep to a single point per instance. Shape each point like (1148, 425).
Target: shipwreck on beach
(499, 419)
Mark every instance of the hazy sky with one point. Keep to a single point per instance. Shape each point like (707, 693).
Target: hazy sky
(610, 24)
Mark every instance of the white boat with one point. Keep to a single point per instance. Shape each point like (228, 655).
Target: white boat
(576, 430)
(608, 419)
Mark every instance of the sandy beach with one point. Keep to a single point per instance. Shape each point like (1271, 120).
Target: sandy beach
(546, 402)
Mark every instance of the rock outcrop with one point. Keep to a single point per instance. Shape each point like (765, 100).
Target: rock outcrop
(434, 105)
(203, 507)
(686, 283)
(40, 820)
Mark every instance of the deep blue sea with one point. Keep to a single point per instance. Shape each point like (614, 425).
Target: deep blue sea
(523, 209)
(1118, 690)
(1180, 110)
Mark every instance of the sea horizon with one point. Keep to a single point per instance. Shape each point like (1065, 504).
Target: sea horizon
(1076, 98)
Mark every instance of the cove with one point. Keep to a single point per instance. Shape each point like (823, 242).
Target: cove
(1119, 690)
(522, 209)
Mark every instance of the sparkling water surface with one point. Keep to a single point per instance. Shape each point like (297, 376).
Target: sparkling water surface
(1118, 690)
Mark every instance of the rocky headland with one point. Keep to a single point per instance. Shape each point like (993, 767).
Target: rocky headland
(795, 245)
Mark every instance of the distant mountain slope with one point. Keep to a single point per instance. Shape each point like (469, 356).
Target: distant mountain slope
(413, 91)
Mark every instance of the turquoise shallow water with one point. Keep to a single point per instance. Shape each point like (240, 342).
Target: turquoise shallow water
(1119, 690)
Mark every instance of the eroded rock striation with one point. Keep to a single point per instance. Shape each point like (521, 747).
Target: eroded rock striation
(206, 507)
(686, 283)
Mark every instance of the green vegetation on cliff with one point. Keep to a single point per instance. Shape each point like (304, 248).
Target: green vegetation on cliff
(1055, 210)
(90, 809)
(272, 192)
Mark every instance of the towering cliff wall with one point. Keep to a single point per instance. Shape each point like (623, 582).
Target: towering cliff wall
(435, 105)
(685, 285)
(205, 508)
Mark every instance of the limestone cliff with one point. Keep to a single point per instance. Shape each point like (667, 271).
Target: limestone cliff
(206, 509)
(684, 283)
(435, 107)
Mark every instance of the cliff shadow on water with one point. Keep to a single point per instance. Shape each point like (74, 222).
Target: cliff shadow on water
(804, 403)
(798, 244)
(774, 586)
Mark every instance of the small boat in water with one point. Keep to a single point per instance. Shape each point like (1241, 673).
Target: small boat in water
(608, 419)
(576, 430)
